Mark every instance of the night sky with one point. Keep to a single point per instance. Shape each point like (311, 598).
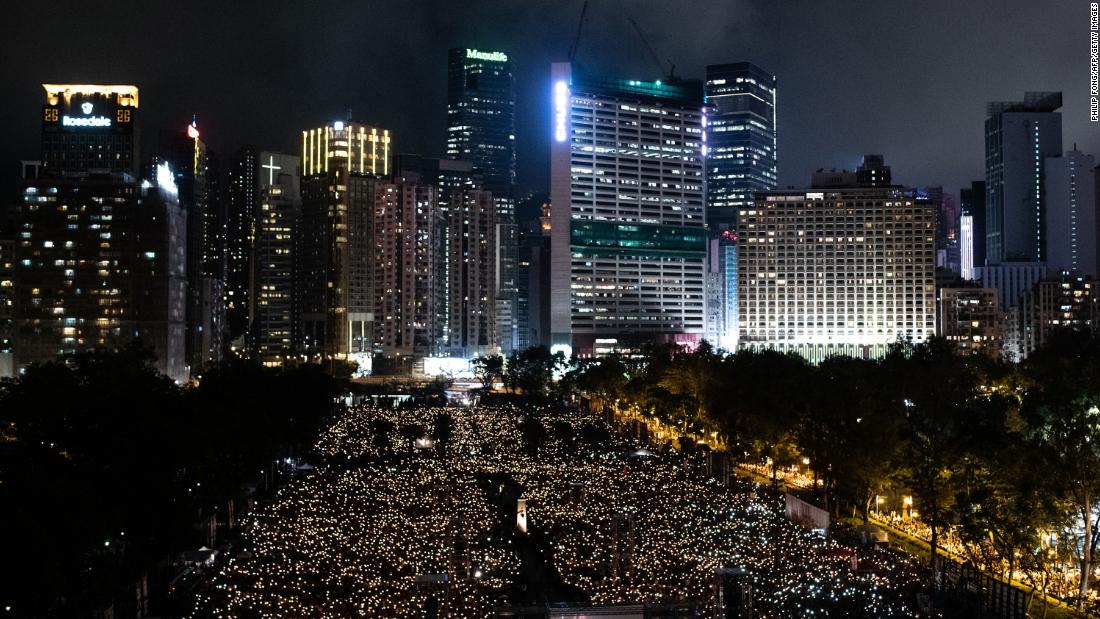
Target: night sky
(904, 78)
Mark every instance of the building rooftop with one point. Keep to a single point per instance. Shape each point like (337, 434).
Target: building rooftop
(1033, 102)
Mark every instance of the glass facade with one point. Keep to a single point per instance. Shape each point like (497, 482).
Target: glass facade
(481, 116)
(741, 139)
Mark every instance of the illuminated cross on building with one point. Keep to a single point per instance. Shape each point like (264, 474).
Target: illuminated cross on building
(271, 167)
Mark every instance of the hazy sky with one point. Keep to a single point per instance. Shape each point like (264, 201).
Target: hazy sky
(907, 79)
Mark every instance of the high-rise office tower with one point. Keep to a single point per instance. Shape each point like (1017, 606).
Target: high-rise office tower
(471, 294)
(99, 254)
(1070, 202)
(481, 119)
(721, 326)
(972, 228)
(628, 242)
(90, 127)
(1019, 136)
(242, 198)
(187, 155)
(270, 288)
(741, 139)
(481, 130)
(835, 271)
(334, 249)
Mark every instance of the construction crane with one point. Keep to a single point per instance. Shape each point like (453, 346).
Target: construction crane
(577, 39)
(671, 75)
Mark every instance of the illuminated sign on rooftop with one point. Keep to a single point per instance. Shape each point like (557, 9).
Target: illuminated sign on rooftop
(490, 56)
(87, 120)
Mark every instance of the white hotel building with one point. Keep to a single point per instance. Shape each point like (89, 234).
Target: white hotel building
(628, 243)
(837, 271)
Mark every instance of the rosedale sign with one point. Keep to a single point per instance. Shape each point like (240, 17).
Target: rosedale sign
(490, 56)
(87, 120)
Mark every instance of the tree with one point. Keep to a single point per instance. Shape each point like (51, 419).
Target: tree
(851, 431)
(935, 393)
(691, 376)
(763, 396)
(106, 464)
(604, 379)
(489, 370)
(531, 371)
(1062, 406)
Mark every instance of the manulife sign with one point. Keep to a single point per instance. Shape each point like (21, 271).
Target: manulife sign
(490, 56)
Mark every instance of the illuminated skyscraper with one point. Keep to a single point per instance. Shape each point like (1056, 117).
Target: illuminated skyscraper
(1019, 136)
(270, 282)
(100, 260)
(471, 246)
(90, 127)
(481, 130)
(722, 290)
(242, 198)
(835, 271)
(99, 255)
(481, 117)
(972, 210)
(741, 139)
(7, 300)
(972, 319)
(188, 157)
(1064, 300)
(966, 246)
(335, 253)
(407, 224)
(450, 178)
(628, 242)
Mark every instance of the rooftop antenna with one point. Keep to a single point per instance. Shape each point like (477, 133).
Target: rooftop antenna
(671, 75)
(349, 114)
(577, 38)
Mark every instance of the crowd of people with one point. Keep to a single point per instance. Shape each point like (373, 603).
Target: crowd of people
(401, 517)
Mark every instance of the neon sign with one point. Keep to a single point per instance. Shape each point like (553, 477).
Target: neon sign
(561, 109)
(490, 56)
(86, 120)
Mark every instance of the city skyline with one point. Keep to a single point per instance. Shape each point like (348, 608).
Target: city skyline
(536, 310)
(398, 80)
